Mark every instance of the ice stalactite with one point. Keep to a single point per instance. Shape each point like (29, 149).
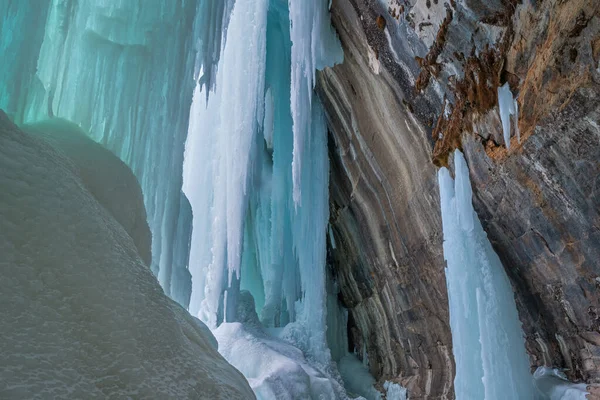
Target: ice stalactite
(508, 106)
(123, 71)
(212, 22)
(487, 338)
(220, 158)
(314, 46)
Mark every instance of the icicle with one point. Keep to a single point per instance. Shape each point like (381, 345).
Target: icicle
(508, 106)
(220, 156)
(516, 121)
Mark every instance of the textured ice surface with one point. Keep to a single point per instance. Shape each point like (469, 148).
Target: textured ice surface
(123, 70)
(394, 391)
(487, 338)
(82, 316)
(274, 368)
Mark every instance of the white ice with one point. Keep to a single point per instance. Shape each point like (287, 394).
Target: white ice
(256, 172)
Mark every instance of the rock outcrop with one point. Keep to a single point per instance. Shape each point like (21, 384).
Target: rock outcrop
(419, 80)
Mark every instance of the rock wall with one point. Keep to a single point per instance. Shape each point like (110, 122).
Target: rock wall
(386, 251)
(419, 80)
(540, 207)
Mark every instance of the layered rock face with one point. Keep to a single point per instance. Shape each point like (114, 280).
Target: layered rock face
(386, 242)
(419, 80)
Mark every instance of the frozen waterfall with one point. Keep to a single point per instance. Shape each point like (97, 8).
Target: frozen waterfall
(487, 338)
(256, 173)
(124, 71)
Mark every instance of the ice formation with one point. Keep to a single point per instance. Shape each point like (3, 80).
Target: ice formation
(82, 315)
(256, 169)
(487, 338)
(256, 173)
(124, 71)
(508, 106)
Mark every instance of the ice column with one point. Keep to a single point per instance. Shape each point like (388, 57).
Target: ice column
(220, 157)
(257, 225)
(487, 338)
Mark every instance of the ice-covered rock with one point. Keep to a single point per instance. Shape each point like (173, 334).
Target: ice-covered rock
(82, 316)
(104, 175)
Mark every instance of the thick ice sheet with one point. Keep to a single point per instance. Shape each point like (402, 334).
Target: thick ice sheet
(256, 226)
(82, 316)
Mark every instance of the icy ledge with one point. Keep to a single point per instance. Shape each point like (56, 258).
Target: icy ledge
(82, 316)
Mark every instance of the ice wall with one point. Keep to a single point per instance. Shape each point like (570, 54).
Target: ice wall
(124, 71)
(22, 25)
(487, 338)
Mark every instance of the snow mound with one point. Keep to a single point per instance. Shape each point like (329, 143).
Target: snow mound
(275, 369)
(82, 316)
(104, 175)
